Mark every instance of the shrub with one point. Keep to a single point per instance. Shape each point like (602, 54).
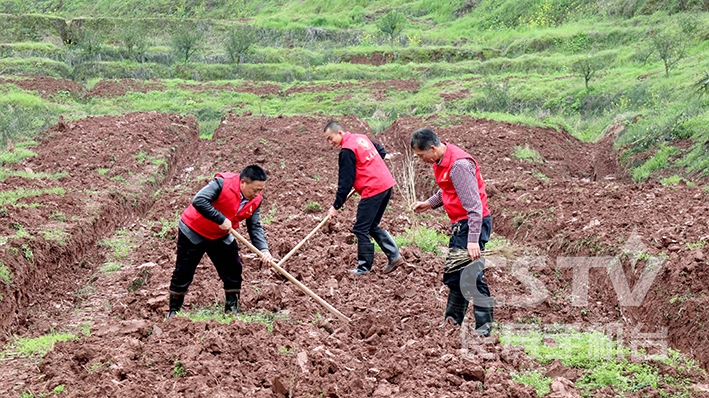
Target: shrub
(238, 44)
(586, 67)
(133, 40)
(392, 24)
(186, 41)
(495, 98)
(670, 46)
(19, 122)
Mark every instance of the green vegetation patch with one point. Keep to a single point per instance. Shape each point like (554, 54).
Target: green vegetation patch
(313, 207)
(657, 162)
(23, 115)
(269, 216)
(528, 154)
(57, 234)
(605, 362)
(574, 65)
(5, 274)
(535, 379)
(496, 242)
(16, 155)
(34, 347)
(427, 239)
(216, 313)
(5, 172)
(120, 244)
(10, 197)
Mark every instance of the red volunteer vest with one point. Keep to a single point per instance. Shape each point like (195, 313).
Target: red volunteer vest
(372, 176)
(442, 171)
(227, 203)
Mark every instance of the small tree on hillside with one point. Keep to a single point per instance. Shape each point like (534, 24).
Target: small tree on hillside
(587, 66)
(133, 40)
(392, 24)
(670, 47)
(89, 43)
(186, 41)
(238, 43)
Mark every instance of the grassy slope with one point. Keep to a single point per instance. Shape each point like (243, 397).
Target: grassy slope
(529, 47)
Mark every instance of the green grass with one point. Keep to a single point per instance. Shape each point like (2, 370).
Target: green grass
(486, 14)
(528, 154)
(5, 274)
(21, 233)
(166, 226)
(514, 64)
(216, 313)
(695, 245)
(604, 361)
(16, 155)
(269, 216)
(4, 173)
(676, 180)
(57, 234)
(179, 369)
(427, 239)
(658, 162)
(111, 267)
(34, 347)
(10, 197)
(535, 379)
(120, 244)
(496, 242)
(119, 247)
(540, 175)
(313, 207)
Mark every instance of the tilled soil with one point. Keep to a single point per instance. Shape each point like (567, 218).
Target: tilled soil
(137, 173)
(47, 86)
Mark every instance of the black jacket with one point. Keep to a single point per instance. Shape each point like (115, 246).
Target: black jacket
(346, 176)
(203, 203)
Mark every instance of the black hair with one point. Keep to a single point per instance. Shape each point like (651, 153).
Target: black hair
(423, 139)
(253, 173)
(333, 126)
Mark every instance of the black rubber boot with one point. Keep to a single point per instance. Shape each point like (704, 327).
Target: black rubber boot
(176, 300)
(231, 304)
(456, 308)
(387, 244)
(365, 258)
(483, 318)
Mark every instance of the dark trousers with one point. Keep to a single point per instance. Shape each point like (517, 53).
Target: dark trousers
(369, 214)
(459, 240)
(225, 258)
(467, 283)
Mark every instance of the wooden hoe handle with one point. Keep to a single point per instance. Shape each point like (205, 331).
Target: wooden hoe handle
(288, 276)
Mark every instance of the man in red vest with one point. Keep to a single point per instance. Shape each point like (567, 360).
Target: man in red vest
(204, 228)
(362, 167)
(462, 195)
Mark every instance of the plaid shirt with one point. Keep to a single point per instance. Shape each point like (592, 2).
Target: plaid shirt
(466, 186)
